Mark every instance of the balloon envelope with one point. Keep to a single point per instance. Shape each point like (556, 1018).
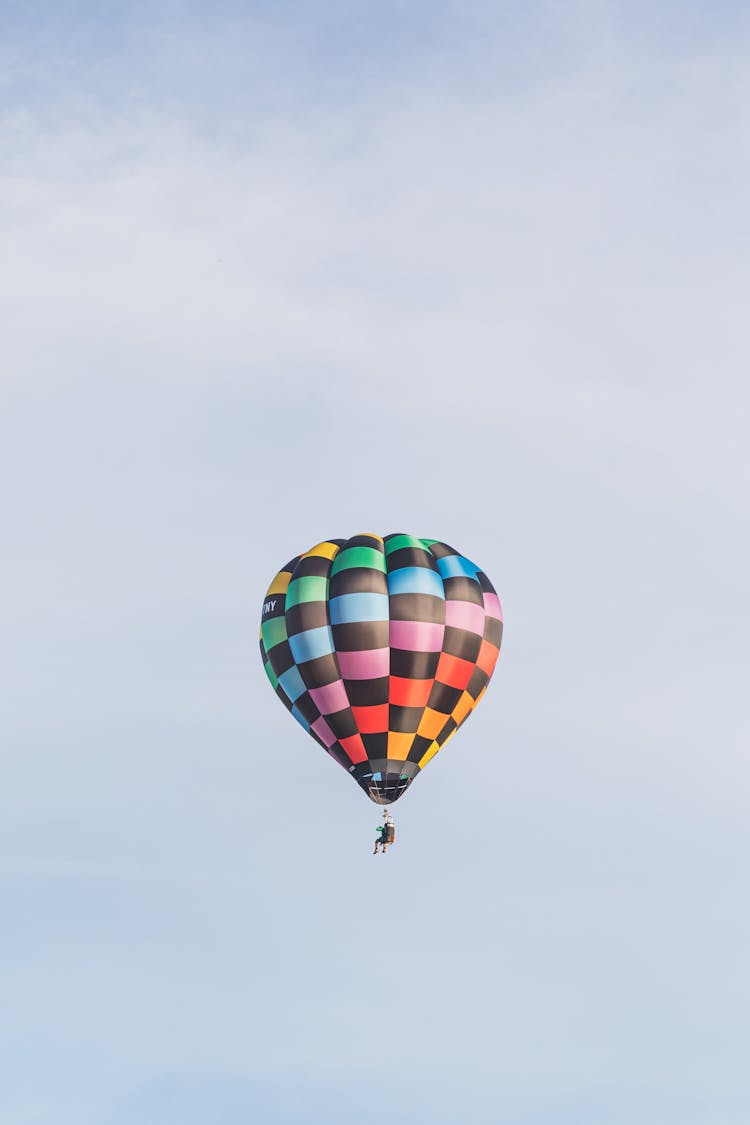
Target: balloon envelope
(381, 648)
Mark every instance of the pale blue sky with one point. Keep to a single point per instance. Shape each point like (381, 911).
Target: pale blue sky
(278, 272)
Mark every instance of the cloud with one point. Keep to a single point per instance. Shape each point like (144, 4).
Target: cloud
(470, 272)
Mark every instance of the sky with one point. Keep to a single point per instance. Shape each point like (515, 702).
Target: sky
(271, 273)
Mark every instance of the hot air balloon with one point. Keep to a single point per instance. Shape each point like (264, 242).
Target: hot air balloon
(381, 647)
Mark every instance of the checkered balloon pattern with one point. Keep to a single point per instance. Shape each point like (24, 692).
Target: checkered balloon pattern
(381, 648)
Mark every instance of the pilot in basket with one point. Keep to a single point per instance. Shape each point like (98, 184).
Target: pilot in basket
(386, 833)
